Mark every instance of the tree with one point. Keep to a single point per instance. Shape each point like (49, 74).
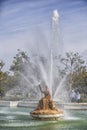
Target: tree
(23, 69)
(73, 64)
(21, 60)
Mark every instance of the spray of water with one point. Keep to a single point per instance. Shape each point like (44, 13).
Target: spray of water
(51, 73)
(48, 73)
(44, 74)
(61, 91)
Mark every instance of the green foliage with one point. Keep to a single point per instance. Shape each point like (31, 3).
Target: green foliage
(80, 81)
(3, 79)
(7, 81)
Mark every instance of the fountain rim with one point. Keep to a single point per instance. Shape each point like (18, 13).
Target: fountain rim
(46, 116)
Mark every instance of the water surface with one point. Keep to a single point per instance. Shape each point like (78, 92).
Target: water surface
(19, 119)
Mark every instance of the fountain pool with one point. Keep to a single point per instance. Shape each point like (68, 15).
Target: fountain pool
(19, 119)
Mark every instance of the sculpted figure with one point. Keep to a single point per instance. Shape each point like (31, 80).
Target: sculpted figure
(46, 92)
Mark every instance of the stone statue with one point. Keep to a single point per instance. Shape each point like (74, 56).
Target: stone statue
(46, 107)
(46, 92)
(45, 103)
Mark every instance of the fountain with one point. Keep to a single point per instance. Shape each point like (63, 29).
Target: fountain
(47, 74)
(46, 108)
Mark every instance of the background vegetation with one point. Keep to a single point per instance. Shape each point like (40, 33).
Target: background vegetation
(71, 64)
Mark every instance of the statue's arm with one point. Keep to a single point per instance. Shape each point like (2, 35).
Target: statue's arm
(41, 88)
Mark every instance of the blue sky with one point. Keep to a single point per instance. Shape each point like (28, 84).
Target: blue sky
(23, 21)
